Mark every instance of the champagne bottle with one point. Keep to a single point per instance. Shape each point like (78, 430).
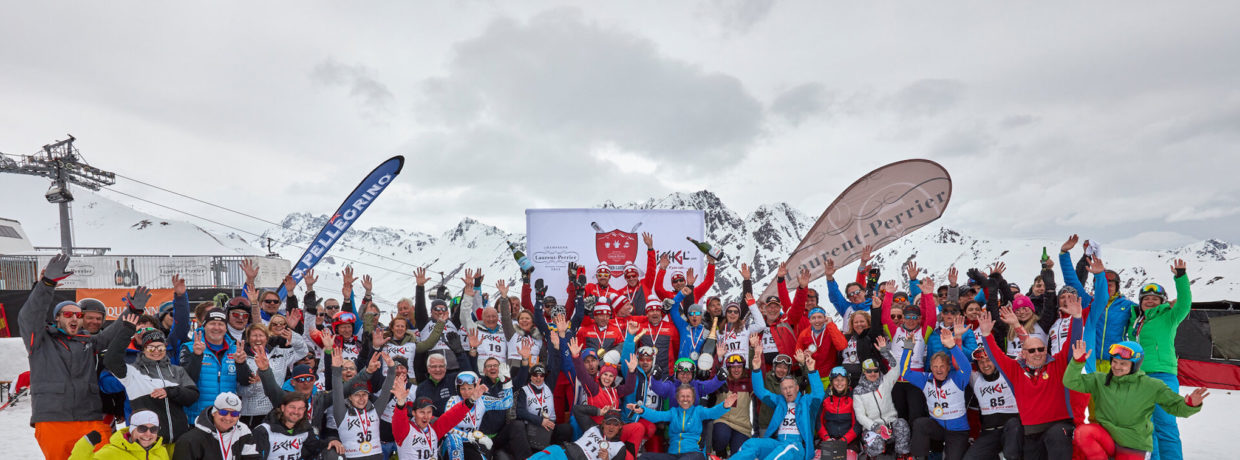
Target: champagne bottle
(522, 260)
(126, 276)
(119, 276)
(706, 248)
(133, 278)
(596, 227)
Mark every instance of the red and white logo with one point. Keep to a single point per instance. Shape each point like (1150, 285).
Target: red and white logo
(616, 248)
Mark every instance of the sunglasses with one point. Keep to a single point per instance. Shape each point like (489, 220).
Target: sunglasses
(154, 348)
(1036, 350)
(630, 277)
(852, 293)
(272, 301)
(441, 309)
(332, 307)
(951, 312)
(239, 314)
(145, 429)
(308, 378)
(71, 314)
(279, 324)
(228, 413)
(695, 313)
(871, 371)
(897, 317)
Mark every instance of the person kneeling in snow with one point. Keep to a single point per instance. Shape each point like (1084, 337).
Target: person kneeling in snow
(140, 440)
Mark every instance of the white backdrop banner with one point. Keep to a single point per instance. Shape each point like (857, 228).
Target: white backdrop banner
(556, 237)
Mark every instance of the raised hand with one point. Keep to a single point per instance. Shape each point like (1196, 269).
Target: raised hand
(810, 363)
(632, 362)
(309, 279)
(1178, 265)
(387, 359)
(373, 365)
(131, 318)
(1071, 305)
(141, 295)
(755, 341)
(468, 281)
(419, 275)
(527, 349)
(757, 362)
(1197, 396)
(803, 278)
(948, 339)
(664, 261)
(250, 269)
(260, 359)
(56, 268)
(782, 272)
(294, 318)
(1008, 316)
(289, 284)
(633, 328)
(399, 390)
(952, 275)
(745, 271)
(1069, 244)
(911, 269)
(502, 287)
(1078, 350)
(985, 323)
(829, 268)
(888, 286)
(240, 356)
(881, 341)
(478, 276)
(474, 339)
(347, 280)
(561, 323)
(648, 239)
(368, 284)
(998, 268)
(178, 285)
(865, 254)
(574, 346)
(690, 278)
(927, 284)
(960, 328)
(730, 401)
(199, 345)
(479, 391)
(378, 340)
(337, 355)
(1096, 266)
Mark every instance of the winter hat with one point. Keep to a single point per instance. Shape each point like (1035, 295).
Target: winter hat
(422, 403)
(678, 276)
(1112, 276)
(869, 364)
(1021, 302)
(59, 306)
(440, 304)
(164, 309)
(357, 387)
(612, 417)
(838, 371)
(696, 309)
(538, 369)
(733, 306)
(89, 304)
(772, 299)
(630, 268)
(898, 296)
(401, 361)
(602, 307)
(238, 303)
(818, 311)
(608, 369)
(228, 401)
(1068, 290)
(653, 304)
(149, 337)
(1014, 285)
(603, 269)
(143, 417)
(215, 314)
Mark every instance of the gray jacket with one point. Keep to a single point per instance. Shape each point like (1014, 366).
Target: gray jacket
(64, 379)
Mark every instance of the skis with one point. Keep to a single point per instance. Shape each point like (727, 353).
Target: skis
(14, 398)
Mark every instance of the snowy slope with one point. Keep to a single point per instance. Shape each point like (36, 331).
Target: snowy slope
(102, 222)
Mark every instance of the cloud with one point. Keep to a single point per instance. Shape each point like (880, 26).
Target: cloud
(927, 97)
(962, 142)
(563, 76)
(375, 98)
(801, 102)
(1016, 121)
(736, 16)
(1155, 240)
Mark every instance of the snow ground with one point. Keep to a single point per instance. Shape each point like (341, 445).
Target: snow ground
(1205, 435)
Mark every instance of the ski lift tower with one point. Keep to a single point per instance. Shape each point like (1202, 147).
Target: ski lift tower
(61, 162)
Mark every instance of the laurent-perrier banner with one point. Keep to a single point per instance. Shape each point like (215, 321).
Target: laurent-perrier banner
(880, 207)
(556, 237)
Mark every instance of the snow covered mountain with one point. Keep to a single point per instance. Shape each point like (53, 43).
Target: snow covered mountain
(761, 239)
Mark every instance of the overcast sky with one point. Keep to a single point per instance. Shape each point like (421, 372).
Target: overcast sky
(1115, 120)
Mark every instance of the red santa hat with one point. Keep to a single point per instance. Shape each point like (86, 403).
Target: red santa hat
(603, 268)
(629, 267)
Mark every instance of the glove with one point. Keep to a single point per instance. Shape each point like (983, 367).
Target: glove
(94, 437)
(454, 343)
(56, 268)
(540, 288)
(139, 298)
(977, 276)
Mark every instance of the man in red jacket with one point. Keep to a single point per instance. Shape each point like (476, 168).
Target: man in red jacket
(1038, 385)
(783, 329)
(661, 334)
(603, 335)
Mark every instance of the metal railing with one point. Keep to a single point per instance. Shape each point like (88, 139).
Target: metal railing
(121, 271)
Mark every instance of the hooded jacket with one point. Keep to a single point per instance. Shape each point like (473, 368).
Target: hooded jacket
(872, 401)
(807, 404)
(119, 448)
(203, 442)
(254, 399)
(1110, 324)
(273, 440)
(1155, 329)
(1124, 405)
(214, 373)
(64, 374)
(145, 376)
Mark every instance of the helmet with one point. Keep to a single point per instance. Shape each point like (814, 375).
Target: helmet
(1153, 289)
(343, 317)
(466, 377)
(1128, 350)
(838, 371)
(734, 359)
(685, 365)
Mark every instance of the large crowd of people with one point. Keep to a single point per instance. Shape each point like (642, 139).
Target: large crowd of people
(970, 367)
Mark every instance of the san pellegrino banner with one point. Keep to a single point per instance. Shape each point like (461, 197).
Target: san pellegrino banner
(880, 207)
(357, 202)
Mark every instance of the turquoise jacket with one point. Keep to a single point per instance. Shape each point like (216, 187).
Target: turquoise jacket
(806, 403)
(684, 426)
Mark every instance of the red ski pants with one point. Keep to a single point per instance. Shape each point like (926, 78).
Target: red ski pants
(1095, 443)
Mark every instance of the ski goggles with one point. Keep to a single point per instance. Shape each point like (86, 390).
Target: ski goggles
(980, 354)
(304, 378)
(464, 378)
(1124, 352)
(1153, 289)
(71, 314)
(735, 360)
(346, 317)
(838, 371)
(684, 365)
(646, 351)
(783, 359)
